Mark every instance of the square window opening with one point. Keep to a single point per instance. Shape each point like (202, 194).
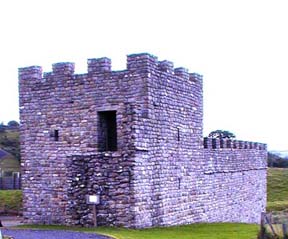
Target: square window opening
(107, 131)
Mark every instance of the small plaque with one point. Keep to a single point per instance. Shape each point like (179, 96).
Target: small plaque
(93, 199)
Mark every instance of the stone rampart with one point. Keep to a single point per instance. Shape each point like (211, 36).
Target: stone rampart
(215, 143)
(236, 173)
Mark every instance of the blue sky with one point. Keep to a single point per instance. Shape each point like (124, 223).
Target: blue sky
(240, 47)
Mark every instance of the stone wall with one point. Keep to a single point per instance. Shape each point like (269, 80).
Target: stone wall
(160, 174)
(235, 179)
(166, 170)
(106, 174)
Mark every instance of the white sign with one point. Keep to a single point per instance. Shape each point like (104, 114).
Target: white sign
(92, 199)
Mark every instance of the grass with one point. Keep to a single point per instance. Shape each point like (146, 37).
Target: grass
(193, 231)
(277, 198)
(10, 201)
(9, 134)
(277, 189)
(10, 164)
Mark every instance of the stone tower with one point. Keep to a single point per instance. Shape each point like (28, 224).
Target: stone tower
(135, 138)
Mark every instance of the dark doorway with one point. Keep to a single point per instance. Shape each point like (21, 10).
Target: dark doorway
(107, 131)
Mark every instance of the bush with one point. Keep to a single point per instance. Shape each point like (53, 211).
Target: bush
(276, 161)
(10, 202)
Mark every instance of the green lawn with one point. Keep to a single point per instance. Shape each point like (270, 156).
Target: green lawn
(10, 201)
(277, 189)
(194, 231)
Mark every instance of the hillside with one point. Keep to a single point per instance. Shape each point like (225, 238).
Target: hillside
(280, 153)
(277, 188)
(8, 162)
(9, 141)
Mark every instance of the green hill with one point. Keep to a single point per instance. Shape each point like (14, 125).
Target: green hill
(8, 162)
(9, 141)
(277, 189)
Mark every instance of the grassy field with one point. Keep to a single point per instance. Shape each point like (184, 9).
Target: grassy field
(194, 231)
(277, 197)
(11, 164)
(9, 141)
(10, 201)
(9, 134)
(277, 189)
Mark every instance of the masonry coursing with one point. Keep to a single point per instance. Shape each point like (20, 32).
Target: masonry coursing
(159, 172)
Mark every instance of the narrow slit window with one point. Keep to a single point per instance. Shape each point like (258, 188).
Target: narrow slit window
(107, 131)
(205, 143)
(179, 183)
(56, 135)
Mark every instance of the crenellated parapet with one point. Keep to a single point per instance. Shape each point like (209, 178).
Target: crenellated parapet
(136, 63)
(63, 68)
(142, 62)
(213, 143)
(166, 66)
(195, 77)
(99, 65)
(31, 72)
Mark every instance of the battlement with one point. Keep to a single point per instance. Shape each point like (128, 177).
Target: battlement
(31, 72)
(99, 65)
(211, 143)
(141, 63)
(63, 68)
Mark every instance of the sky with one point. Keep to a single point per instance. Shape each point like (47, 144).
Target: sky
(239, 46)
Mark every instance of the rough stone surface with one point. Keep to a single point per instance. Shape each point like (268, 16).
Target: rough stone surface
(163, 172)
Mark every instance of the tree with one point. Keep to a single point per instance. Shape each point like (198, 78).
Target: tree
(221, 134)
(9, 138)
(13, 124)
(2, 127)
(277, 161)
